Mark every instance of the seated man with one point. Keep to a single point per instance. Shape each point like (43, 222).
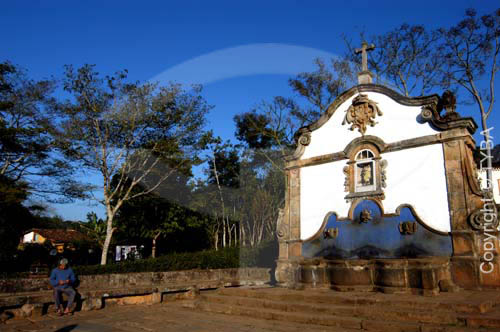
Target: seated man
(62, 278)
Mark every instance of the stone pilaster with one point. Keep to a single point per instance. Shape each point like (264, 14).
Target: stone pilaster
(463, 263)
(290, 245)
(463, 201)
(294, 242)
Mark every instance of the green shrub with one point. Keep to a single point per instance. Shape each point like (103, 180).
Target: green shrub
(263, 256)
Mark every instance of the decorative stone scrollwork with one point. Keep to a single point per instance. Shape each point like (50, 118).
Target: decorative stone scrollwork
(347, 178)
(427, 112)
(383, 173)
(361, 113)
(484, 218)
(305, 139)
(281, 227)
(476, 220)
(471, 171)
(408, 227)
(448, 101)
(451, 119)
(282, 231)
(331, 233)
(365, 216)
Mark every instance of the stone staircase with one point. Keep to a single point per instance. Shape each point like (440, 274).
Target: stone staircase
(327, 310)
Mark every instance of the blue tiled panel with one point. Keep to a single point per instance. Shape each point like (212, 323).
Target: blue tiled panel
(379, 237)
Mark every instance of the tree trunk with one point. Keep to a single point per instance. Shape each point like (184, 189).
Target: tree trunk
(261, 233)
(221, 200)
(242, 235)
(236, 235)
(487, 138)
(153, 248)
(109, 235)
(223, 232)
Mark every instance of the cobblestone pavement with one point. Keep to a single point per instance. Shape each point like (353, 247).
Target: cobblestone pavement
(158, 317)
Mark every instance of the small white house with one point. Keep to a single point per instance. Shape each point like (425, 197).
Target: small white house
(59, 238)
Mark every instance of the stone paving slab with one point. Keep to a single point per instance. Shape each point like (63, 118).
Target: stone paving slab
(148, 318)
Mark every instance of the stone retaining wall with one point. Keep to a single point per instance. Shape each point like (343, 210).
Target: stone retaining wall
(21, 298)
(142, 279)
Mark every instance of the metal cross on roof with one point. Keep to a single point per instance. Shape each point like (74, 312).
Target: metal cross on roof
(363, 50)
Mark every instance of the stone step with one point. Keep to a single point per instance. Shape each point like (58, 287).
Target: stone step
(345, 323)
(488, 320)
(450, 302)
(317, 322)
(180, 307)
(359, 311)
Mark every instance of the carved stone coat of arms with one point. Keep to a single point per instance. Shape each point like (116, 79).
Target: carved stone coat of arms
(361, 113)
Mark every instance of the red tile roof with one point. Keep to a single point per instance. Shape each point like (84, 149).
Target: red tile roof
(61, 235)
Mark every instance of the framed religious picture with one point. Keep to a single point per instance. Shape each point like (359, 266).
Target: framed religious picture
(364, 172)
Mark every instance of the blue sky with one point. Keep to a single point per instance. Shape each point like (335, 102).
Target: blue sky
(243, 51)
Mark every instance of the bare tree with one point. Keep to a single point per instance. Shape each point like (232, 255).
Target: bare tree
(463, 57)
(402, 58)
(469, 57)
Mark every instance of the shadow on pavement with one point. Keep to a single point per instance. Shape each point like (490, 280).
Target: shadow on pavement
(67, 328)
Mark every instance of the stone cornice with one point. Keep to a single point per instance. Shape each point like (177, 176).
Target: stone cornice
(430, 114)
(453, 134)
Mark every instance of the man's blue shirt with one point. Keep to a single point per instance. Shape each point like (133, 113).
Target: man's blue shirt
(57, 274)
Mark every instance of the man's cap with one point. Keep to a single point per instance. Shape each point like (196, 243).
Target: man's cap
(63, 261)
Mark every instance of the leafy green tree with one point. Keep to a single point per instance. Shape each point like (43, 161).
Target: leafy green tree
(140, 133)
(254, 129)
(148, 219)
(14, 217)
(95, 228)
(258, 199)
(28, 144)
(204, 198)
(269, 129)
(223, 168)
(223, 173)
(161, 215)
